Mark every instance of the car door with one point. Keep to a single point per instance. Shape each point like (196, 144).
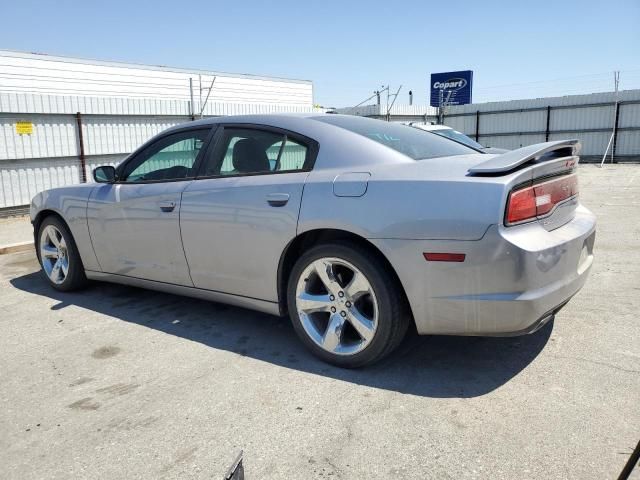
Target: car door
(134, 222)
(239, 215)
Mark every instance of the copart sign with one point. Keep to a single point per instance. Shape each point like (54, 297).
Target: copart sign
(451, 88)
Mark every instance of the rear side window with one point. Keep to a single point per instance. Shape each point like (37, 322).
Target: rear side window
(292, 156)
(245, 151)
(410, 141)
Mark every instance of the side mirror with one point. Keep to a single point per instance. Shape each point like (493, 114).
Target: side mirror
(104, 174)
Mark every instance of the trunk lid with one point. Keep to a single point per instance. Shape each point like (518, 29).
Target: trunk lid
(544, 175)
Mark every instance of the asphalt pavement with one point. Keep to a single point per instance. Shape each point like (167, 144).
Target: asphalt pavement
(118, 382)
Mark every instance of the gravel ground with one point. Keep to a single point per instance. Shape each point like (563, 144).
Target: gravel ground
(116, 382)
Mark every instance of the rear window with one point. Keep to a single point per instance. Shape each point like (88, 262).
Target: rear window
(410, 141)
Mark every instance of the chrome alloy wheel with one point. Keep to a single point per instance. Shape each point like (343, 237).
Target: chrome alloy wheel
(54, 255)
(337, 306)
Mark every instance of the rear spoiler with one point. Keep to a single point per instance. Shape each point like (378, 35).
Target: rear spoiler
(513, 159)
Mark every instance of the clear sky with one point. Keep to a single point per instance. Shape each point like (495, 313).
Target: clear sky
(350, 48)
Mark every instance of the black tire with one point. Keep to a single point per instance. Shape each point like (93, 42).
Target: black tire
(75, 278)
(393, 311)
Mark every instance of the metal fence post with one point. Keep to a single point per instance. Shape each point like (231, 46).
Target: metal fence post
(83, 166)
(547, 132)
(477, 125)
(615, 133)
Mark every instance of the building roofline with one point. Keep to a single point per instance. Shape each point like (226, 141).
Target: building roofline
(132, 65)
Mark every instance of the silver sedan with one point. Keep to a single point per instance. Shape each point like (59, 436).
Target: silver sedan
(356, 228)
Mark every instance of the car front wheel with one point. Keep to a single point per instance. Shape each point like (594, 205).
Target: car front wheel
(345, 305)
(58, 255)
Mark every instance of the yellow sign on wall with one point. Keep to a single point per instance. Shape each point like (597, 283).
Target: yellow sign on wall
(24, 128)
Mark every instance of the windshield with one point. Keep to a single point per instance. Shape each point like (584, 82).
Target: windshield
(457, 136)
(402, 138)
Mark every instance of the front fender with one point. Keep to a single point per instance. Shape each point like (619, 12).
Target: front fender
(70, 203)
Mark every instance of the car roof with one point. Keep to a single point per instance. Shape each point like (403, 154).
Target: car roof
(258, 118)
(340, 147)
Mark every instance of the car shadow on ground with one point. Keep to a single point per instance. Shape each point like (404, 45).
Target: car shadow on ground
(431, 366)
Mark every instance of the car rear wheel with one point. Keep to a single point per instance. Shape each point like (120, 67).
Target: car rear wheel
(58, 256)
(345, 305)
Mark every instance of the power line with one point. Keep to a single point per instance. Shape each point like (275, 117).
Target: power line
(551, 80)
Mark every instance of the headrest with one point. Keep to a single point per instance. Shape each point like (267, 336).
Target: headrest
(249, 156)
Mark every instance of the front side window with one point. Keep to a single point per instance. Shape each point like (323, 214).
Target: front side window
(243, 151)
(171, 158)
(405, 139)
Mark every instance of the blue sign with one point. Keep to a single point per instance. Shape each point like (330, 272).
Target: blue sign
(451, 88)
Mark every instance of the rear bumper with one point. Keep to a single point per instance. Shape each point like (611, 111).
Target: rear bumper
(512, 281)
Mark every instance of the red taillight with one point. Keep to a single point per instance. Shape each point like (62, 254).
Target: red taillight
(537, 200)
(522, 205)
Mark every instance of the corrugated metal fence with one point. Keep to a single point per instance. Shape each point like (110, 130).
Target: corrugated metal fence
(517, 123)
(589, 118)
(111, 128)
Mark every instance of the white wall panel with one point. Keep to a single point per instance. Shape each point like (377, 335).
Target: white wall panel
(20, 181)
(627, 142)
(116, 135)
(46, 74)
(629, 115)
(29, 102)
(465, 124)
(53, 136)
(513, 122)
(582, 118)
(510, 142)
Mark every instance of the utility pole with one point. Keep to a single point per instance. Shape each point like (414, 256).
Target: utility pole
(203, 105)
(200, 94)
(389, 107)
(193, 116)
(387, 99)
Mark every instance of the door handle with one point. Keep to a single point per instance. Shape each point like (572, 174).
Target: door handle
(167, 206)
(277, 199)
